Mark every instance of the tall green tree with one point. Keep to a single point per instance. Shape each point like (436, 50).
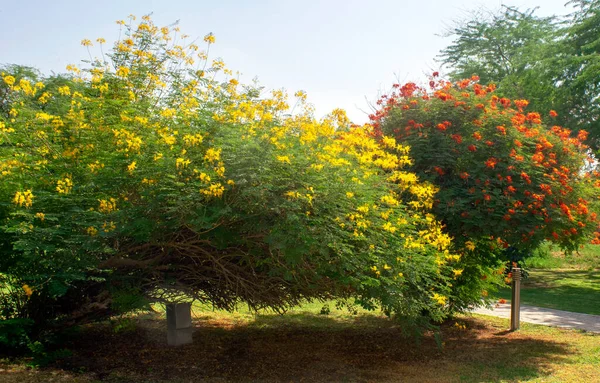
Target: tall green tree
(553, 63)
(579, 64)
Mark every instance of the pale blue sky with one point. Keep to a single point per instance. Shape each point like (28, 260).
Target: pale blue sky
(341, 53)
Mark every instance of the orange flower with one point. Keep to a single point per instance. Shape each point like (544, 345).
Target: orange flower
(546, 189)
(521, 104)
(464, 175)
(28, 290)
(582, 135)
(441, 127)
(518, 143)
(457, 138)
(534, 118)
(518, 119)
(553, 113)
(501, 129)
(472, 148)
(505, 102)
(477, 136)
(463, 83)
(442, 95)
(491, 163)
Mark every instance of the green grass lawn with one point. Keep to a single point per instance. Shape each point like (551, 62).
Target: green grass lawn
(549, 256)
(563, 282)
(562, 289)
(304, 345)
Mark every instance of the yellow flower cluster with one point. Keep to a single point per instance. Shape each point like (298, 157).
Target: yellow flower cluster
(435, 236)
(192, 139)
(64, 90)
(127, 141)
(92, 231)
(8, 80)
(123, 71)
(107, 227)
(212, 155)
(4, 129)
(293, 194)
(439, 299)
(210, 38)
(107, 205)
(284, 159)
(390, 200)
(95, 166)
(7, 165)
(181, 163)
(389, 227)
(132, 166)
(214, 190)
(64, 186)
(23, 198)
(469, 245)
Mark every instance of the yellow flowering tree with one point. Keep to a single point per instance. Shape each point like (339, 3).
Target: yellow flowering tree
(154, 174)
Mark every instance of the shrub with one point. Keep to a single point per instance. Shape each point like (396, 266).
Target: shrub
(144, 178)
(506, 180)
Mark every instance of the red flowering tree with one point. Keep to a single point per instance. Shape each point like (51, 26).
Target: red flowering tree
(507, 177)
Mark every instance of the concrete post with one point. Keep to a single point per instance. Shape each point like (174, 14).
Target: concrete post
(179, 324)
(515, 302)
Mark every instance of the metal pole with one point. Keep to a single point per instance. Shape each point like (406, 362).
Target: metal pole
(515, 302)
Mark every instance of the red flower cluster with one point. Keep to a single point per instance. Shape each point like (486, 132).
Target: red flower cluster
(530, 168)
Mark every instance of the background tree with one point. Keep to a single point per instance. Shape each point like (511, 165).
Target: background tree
(548, 61)
(578, 58)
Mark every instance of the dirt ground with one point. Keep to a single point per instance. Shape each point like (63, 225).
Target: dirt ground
(317, 349)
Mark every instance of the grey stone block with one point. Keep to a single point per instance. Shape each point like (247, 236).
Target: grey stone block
(179, 324)
(179, 337)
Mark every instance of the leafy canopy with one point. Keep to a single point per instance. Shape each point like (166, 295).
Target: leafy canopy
(153, 174)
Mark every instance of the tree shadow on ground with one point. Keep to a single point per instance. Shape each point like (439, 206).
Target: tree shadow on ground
(312, 348)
